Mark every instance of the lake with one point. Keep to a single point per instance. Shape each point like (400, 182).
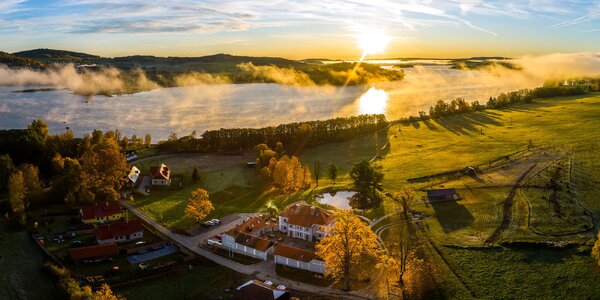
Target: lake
(185, 109)
(339, 199)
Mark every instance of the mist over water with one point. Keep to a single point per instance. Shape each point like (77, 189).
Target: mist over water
(220, 105)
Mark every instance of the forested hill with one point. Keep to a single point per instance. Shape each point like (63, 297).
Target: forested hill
(210, 63)
(177, 71)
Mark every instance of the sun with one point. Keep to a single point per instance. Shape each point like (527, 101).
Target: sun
(372, 40)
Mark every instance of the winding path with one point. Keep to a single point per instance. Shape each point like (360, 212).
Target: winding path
(264, 270)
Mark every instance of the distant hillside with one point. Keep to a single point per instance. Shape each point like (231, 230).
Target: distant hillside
(217, 63)
(50, 56)
(178, 71)
(15, 61)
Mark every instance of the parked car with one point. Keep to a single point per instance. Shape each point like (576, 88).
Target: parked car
(216, 221)
(140, 243)
(208, 223)
(115, 270)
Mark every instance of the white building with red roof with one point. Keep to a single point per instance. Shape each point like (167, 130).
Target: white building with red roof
(305, 222)
(161, 175)
(298, 258)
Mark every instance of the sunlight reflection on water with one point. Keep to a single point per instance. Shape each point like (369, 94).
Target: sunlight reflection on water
(374, 101)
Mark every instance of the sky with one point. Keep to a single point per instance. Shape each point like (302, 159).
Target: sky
(301, 29)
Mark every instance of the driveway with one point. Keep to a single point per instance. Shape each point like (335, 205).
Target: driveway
(264, 270)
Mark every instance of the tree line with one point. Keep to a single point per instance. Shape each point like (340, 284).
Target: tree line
(295, 135)
(550, 89)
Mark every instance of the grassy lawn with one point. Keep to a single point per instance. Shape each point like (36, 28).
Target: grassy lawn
(426, 148)
(21, 264)
(205, 281)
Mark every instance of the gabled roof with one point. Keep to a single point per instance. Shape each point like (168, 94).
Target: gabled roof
(256, 290)
(100, 210)
(82, 253)
(294, 253)
(134, 174)
(305, 215)
(160, 172)
(112, 230)
(441, 192)
(254, 224)
(251, 241)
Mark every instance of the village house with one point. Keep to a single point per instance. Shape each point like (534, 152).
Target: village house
(442, 195)
(298, 258)
(161, 175)
(101, 213)
(119, 232)
(133, 176)
(246, 238)
(305, 222)
(257, 290)
(96, 253)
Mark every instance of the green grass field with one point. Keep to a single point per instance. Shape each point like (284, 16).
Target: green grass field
(204, 281)
(457, 229)
(21, 275)
(534, 271)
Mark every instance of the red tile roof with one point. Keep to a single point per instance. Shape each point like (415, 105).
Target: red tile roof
(82, 253)
(306, 215)
(251, 241)
(253, 225)
(294, 253)
(109, 231)
(100, 210)
(160, 172)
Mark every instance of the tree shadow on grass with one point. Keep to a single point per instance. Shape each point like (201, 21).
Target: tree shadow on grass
(467, 124)
(452, 216)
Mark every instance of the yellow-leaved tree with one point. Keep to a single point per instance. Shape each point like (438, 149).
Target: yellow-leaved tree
(596, 249)
(348, 243)
(199, 205)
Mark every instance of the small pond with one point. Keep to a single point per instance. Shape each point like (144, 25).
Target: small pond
(339, 199)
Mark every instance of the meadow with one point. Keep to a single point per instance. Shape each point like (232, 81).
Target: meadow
(529, 257)
(546, 264)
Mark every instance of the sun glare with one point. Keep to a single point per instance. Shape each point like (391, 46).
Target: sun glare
(374, 101)
(372, 40)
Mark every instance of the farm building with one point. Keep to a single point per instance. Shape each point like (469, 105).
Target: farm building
(101, 213)
(246, 244)
(98, 252)
(161, 175)
(257, 290)
(133, 175)
(119, 232)
(298, 258)
(442, 195)
(305, 222)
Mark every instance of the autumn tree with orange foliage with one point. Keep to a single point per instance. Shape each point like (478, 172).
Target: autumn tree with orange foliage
(596, 249)
(349, 242)
(199, 205)
(282, 171)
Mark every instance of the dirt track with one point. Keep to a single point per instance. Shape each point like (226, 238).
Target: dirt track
(507, 208)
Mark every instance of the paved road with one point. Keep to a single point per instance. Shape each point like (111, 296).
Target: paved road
(264, 270)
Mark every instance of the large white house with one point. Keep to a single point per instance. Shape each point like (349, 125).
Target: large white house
(305, 222)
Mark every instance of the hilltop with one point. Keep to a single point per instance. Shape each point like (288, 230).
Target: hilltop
(144, 72)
